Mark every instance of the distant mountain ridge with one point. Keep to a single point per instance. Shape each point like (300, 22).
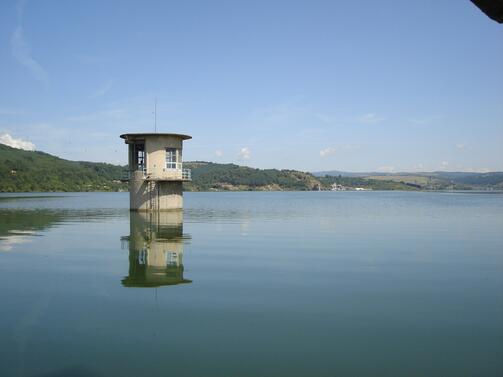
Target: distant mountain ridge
(445, 174)
(472, 180)
(335, 173)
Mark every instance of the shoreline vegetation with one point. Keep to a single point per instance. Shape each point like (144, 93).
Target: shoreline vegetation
(34, 171)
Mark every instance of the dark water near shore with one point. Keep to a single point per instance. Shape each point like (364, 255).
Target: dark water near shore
(253, 284)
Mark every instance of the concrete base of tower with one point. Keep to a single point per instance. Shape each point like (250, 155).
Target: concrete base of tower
(147, 195)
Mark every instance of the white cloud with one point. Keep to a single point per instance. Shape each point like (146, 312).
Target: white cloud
(461, 146)
(219, 153)
(330, 151)
(244, 153)
(102, 90)
(16, 143)
(386, 169)
(465, 169)
(349, 147)
(418, 167)
(476, 170)
(21, 50)
(10, 241)
(444, 165)
(370, 118)
(416, 121)
(423, 120)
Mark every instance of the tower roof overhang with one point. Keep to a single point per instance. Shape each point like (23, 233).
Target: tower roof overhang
(128, 138)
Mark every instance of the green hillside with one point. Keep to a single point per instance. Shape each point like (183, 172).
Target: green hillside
(367, 183)
(22, 171)
(475, 180)
(208, 176)
(25, 171)
(424, 180)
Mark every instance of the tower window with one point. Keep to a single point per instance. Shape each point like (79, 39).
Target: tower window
(171, 158)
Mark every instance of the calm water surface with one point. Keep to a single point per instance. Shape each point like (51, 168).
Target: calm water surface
(252, 284)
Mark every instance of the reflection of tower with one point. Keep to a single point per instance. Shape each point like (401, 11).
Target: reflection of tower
(155, 249)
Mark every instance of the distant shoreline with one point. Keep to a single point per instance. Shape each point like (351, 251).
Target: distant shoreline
(8, 194)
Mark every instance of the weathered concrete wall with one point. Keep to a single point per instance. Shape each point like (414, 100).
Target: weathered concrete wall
(154, 195)
(170, 195)
(139, 195)
(155, 147)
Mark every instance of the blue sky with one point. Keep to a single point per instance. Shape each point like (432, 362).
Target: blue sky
(310, 85)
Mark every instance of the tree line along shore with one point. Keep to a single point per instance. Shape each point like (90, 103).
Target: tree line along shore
(34, 171)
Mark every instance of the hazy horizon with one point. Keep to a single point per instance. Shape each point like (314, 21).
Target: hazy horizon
(311, 86)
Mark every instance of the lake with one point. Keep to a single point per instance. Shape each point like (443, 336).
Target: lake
(253, 284)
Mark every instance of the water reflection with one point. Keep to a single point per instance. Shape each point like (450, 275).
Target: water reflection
(155, 248)
(18, 227)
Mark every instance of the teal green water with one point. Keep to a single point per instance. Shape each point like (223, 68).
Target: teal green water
(253, 284)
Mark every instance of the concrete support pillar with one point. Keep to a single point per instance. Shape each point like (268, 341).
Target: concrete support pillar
(147, 195)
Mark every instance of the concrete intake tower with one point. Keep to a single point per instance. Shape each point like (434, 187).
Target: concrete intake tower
(155, 172)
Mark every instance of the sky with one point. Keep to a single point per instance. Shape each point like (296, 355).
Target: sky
(311, 85)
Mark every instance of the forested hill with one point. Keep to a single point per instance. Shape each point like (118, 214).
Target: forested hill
(209, 176)
(23, 171)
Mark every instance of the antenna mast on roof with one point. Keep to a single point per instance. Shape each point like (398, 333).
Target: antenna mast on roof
(155, 115)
